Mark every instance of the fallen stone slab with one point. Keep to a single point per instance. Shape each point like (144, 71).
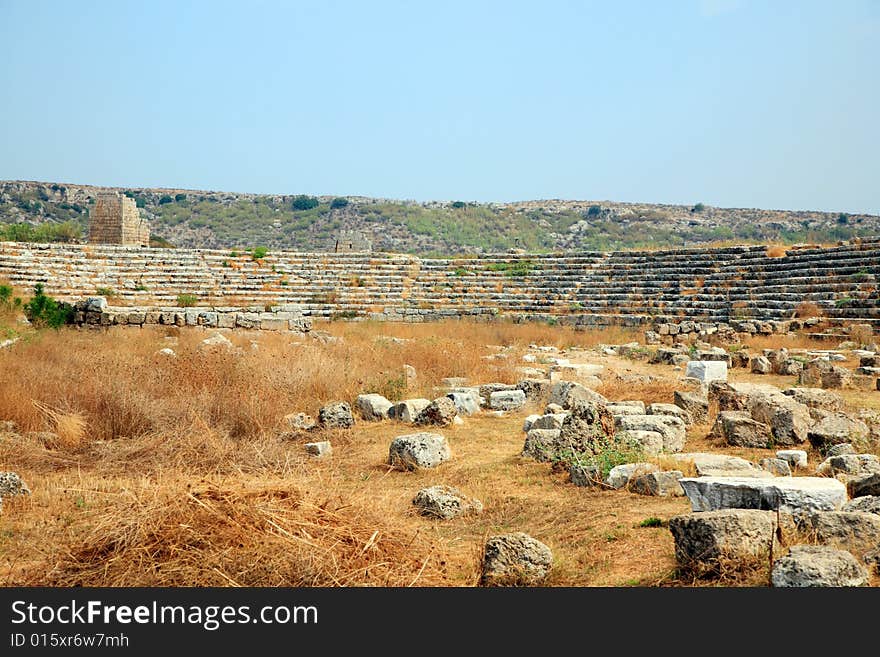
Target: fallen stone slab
(373, 406)
(761, 365)
(408, 410)
(739, 429)
(862, 486)
(706, 370)
(835, 429)
(816, 398)
(695, 405)
(507, 400)
(670, 427)
(660, 484)
(787, 493)
(796, 458)
(446, 503)
(515, 559)
(704, 539)
(620, 475)
(467, 402)
(818, 565)
(568, 393)
(418, 450)
(550, 421)
(529, 421)
(336, 415)
(865, 504)
(849, 530)
(856, 465)
(542, 444)
(776, 467)
(440, 412)
(711, 464)
(322, 448)
(840, 449)
(669, 409)
(585, 475)
(647, 442)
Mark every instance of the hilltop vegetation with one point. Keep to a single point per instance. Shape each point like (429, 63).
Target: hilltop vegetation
(32, 211)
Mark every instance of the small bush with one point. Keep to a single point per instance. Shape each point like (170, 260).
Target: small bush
(179, 197)
(458, 205)
(165, 199)
(259, 253)
(44, 311)
(699, 207)
(186, 300)
(843, 218)
(651, 522)
(459, 271)
(105, 292)
(338, 203)
(594, 211)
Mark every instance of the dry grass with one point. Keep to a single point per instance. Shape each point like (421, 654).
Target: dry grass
(177, 471)
(807, 309)
(776, 251)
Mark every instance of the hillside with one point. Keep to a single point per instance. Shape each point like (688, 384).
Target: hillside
(207, 219)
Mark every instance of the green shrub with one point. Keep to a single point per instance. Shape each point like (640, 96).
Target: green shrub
(338, 202)
(140, 287)
(458, 205)
(652, 522)
(259, 253)
(459, 271)
(187, 300)
(179, 197)
(594, 211)
(44, 311)
(105, 292)
(165, 199)
(699, 207)
(303, 202)
(843, 218)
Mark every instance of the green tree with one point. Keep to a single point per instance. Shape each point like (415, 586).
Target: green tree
(303, 202)
(338, 202)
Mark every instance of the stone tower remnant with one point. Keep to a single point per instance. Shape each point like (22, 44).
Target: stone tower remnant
(352, 241)
(115, 220)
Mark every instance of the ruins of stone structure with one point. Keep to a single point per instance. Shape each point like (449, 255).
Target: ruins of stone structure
(675, 288)
(115, 220)
(352, 241)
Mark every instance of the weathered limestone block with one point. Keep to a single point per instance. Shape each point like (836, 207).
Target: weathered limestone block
(818, 565)
(787, 493)
(515, 559)
(706, 370)
(418, 450)
(373, 406)
(446, 503)
(704, 539)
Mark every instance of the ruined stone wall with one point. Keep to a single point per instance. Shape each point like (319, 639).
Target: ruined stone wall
(586, 289)
(115, 219)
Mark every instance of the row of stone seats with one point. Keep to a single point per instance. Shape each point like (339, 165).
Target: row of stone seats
(618, 282)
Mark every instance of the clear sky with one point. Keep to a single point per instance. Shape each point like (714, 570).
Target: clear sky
(735, 103)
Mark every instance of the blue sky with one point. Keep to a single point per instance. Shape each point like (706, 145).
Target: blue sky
(735, 103)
